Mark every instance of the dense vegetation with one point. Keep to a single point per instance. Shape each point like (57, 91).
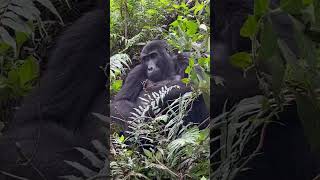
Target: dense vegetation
(179, 151)
(26, 31)
(292, 78)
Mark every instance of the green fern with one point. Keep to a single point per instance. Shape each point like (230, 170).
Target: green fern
(178, 150)
(118, 65)
(98, 160)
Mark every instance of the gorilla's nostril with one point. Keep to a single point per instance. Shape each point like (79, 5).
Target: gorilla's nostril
(150, 68)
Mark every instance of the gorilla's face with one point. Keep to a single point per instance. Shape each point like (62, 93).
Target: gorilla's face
(158, 61)
(152, 61)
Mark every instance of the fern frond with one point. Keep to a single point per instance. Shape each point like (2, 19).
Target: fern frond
(100, 162)
(118, 64)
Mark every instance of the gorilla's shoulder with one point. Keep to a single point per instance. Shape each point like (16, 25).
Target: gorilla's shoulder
(85, 35)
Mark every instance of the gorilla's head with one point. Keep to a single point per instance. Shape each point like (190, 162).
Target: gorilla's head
(158, 61)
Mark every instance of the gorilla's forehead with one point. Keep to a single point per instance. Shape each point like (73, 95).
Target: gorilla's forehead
(151, 51)
(154, 45)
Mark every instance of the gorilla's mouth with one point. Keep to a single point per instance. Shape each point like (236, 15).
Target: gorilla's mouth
(155, 75)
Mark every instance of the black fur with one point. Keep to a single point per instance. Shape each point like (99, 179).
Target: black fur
(57, 117)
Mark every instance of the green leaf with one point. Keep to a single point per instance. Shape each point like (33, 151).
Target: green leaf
(250, 27)
(191, 62)
(21, 38)
(307, 2)
(194, 78)
(192, 27)
(148, 153)
(13, 77)
(188, 70)
(198, 7)
(174, 23)
(121, 138)
(308, 14)
(152, 12)
(116, 85)
(204, 62)
(203, 134)
(185, 80)
(176, 6)
(260, 7)
(203, 178)
(20, 79)
(4, 48)
(291, 6)
(159, 156)
(241, 60)
(28, 71)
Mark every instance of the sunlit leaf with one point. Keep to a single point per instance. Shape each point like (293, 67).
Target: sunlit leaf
(250, 27)
(241, 60)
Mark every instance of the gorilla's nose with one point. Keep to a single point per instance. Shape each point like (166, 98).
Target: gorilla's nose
(150, 68)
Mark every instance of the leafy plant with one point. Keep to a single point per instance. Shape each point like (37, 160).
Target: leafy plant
(299, 74)
(20, 80)
(161, 147)
(157, 144)
(294, 76)
(19, 16)
(118, 65)
(20, 26)
(97, 160)
(191, 32)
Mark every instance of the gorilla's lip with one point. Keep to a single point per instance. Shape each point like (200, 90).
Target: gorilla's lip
(155, 75)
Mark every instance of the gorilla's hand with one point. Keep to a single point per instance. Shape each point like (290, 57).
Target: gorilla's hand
(133, 84)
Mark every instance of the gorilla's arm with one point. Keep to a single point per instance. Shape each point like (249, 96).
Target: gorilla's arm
(121, 109)
(133, 84)
(198, 112)
(73, 79)
(126, 98)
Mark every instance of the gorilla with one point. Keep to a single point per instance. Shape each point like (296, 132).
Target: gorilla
(286, 153)
(158, 68)
(57, 115)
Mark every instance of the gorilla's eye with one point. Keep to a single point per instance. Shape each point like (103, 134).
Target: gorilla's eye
(153, 55)
(144, 59)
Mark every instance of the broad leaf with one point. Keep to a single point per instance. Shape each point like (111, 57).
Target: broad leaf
(260, 7)
(250, 27)
(241, 60)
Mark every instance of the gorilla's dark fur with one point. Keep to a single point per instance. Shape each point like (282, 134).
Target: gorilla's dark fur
(57, 117)
(158, 68)
(286, 153)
